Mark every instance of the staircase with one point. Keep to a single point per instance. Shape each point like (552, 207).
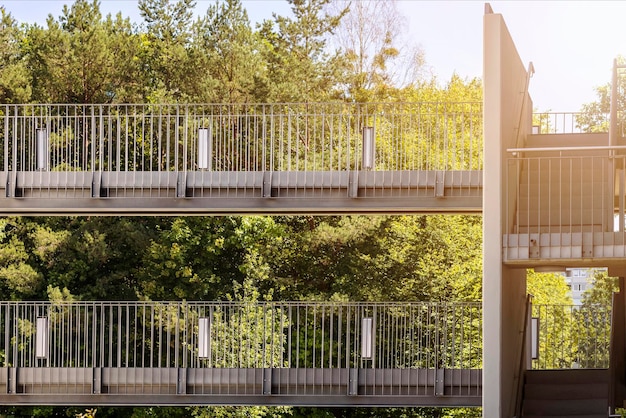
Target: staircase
(561, 201)
(579, 393)
(564, 190)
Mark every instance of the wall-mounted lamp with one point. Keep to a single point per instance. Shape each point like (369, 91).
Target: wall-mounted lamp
(367, 337)
(204, 338)
(41, 149)
(369, 148)
(41, 338)
(205, 149)
(534, 338)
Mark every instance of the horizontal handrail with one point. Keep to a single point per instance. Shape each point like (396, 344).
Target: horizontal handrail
(583, 148)
(234, 303)
(441, 105)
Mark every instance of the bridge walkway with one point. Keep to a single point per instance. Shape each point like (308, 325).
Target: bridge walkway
(240, 159)
(260, 353)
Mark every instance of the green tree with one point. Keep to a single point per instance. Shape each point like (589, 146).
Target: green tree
(299, 67)
(601, 289)
(548, 288)
(593, 116)
(170, 71)
(378, 62)
(593, 321)
(229, 51)
(87, 258)
(553, 305)
(18, 278)
(98, 256)
(382, 258)
(83, 57)
(201, 258)
(15, 81)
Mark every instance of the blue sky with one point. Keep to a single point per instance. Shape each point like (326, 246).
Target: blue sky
(571, 43)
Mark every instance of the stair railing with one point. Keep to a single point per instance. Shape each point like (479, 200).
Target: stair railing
(612, 175)
(525, 99)
(523, 358)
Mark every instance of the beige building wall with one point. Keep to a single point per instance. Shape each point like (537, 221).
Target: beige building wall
(504, 289)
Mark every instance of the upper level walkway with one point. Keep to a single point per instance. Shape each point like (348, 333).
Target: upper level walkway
(239, 159)
(565, 187)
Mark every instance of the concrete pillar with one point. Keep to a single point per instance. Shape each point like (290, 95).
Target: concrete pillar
(504, 288)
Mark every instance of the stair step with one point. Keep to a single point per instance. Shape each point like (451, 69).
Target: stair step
(559, 391)
(566, 416)
(580, 376)
(568, 407)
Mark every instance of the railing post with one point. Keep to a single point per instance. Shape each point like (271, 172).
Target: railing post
(353, 382)
(181, 381)
(267, 381)
(439, 382)
(92, 142)
(96, 388)
(11, 380)
(11, 187)
(5, 140)
(620, 215)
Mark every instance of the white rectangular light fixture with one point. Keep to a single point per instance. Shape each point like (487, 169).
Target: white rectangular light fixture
(204, 338)
(205, 149)
(41, 338)
(534, 338)
(41, 149)
(369, 148)
(367, 340)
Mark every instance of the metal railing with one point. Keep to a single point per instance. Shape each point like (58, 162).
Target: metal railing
(258, 137)
(569, 193)
(569, 122)
(570, 203)
(571, 336)
(525, 352)
(241, 335)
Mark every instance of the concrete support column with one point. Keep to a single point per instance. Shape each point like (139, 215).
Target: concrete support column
(504, 288)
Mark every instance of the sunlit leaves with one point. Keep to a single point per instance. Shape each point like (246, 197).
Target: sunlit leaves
(15, 81)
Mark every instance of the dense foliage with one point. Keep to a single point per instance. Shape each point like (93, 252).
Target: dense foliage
(82, 56)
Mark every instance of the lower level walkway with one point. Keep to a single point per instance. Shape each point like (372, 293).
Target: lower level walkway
(255, 353)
